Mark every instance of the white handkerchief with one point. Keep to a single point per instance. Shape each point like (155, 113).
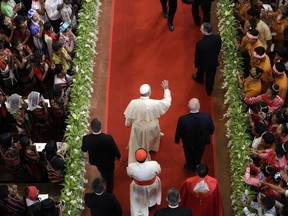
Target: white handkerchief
(201, 187)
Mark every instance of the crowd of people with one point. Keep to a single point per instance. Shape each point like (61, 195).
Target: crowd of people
(37, 41)
(263, 83)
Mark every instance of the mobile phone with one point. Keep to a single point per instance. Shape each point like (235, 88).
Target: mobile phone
(261, 176)
(244, 197)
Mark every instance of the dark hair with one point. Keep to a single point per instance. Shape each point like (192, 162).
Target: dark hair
(280, 66)
(202, 170)
(260, 128)
(15, 42)
(253, 23)
(56, 46)
(280, 118)
(173, 197)
(98, 185)
(268, 138)
(267, 202)
(47, 26)
(254, 12)
(48, 207)
(279, 151)
(56, 91)
(58, 68)
(25, 141)
(284, 210)
(264, 107)
(266, 169)
(275, 89)
(207, 27)
(4, 192)
(18, 20)
(6, 140)
(253, 32)
(260, 50)
(50, 150)
(95, 125)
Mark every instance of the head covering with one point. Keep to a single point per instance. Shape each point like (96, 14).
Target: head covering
(140, 154)
(277, 69)
(64, 26)
(144, 89)
(32, 193)
(33, 100)
(250, 36)
(194, 105)
(14, 103)
(259, 56)
(31, 13)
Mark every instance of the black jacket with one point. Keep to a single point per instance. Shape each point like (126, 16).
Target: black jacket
(102, 150)
(207, 51)
(179, 211)
(194, 129)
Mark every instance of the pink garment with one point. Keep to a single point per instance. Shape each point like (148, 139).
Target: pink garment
(254, 181)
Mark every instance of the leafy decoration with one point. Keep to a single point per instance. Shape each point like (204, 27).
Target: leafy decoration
(237, 123)
(79, 106)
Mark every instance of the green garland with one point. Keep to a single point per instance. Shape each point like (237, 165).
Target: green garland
(239, 140)
(79, 106)
(237, 123)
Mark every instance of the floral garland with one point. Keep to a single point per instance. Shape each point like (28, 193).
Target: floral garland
(79, 107)
(237, 124)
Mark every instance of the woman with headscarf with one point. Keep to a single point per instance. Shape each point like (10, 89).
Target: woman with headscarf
(17, 107)
(8, 72)
(43, 69)
(39, 109)
(10, 154)
(22, 58)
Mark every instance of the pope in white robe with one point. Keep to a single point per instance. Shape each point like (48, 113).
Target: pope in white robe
(143, 114)
(145, 189)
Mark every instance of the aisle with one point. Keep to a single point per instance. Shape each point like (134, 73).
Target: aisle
(144, 51)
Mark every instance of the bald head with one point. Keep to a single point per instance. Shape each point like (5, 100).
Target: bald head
(194, 105)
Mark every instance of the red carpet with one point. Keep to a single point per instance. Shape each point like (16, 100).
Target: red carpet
(144, 51)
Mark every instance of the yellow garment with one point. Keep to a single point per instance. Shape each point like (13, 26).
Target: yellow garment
(282, 82)
(57, 60)
(267, 74)
(251, 87)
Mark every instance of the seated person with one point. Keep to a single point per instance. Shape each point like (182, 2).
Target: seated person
(55, 163)
(30, 158)
(11, 203)
(49, 208)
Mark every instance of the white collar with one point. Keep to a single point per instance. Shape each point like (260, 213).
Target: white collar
(194, 111)
(173, 206)
(96, 133)
(99, 193)
(144, 97)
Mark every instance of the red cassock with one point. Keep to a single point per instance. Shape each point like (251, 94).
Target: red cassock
(202, 204)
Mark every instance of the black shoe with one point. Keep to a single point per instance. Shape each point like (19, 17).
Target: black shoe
(194, 77)
(165, 14)
(171, 27)
(187, 169)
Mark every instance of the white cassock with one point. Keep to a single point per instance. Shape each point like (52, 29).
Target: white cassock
(143, 114)
(145, 189)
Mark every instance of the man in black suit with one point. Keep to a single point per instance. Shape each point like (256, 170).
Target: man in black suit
(205, 7)
(102, 151)
(173, 208)
(172, 5)
(100, 202)
(194, 129)
(206, 57)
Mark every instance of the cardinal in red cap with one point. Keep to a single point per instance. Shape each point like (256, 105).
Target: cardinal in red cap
(145, 189)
